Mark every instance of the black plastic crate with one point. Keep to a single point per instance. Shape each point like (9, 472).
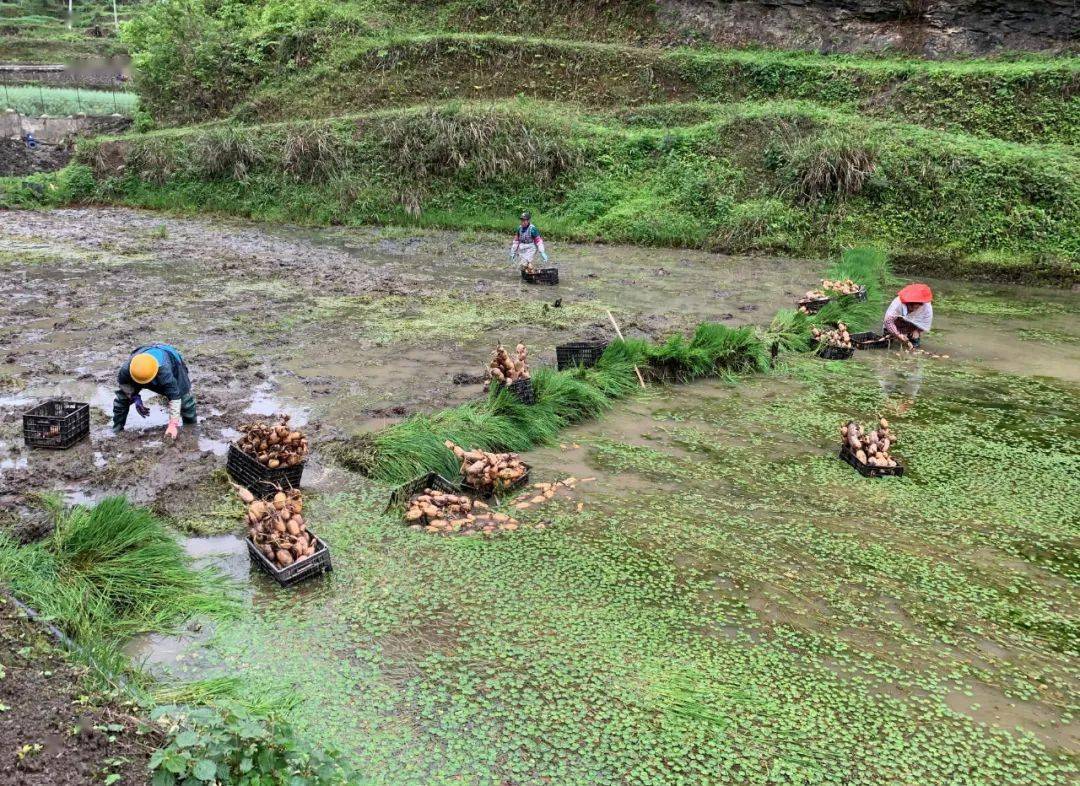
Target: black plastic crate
(547, 275)
(56, 424)
(813, 305)
(834, 353)
(403, 493)
(522, 390)
(500, 490)
(315, 565)
(868, 471)
(579, 353)
(870, 340)
(260, 480)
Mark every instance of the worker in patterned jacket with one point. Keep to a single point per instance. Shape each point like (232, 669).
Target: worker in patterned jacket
(527, 242)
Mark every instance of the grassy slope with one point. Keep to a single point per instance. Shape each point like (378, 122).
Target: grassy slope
(36, 31)
(1026, 100)
(743, 180)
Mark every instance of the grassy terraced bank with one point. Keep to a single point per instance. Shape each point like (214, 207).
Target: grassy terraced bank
(782, 177)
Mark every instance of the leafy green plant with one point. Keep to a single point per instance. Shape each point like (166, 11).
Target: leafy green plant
(229, 745)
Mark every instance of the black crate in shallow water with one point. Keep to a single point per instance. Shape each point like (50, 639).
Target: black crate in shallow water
(869, 340)
(813, 305)
(259, 479)
(579, 353)
(834, 353)
(56, 424)
(547, 275)
(432, 480)
(315, 565)
(868, 470)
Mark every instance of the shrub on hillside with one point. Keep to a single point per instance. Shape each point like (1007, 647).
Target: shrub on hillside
(829, 165)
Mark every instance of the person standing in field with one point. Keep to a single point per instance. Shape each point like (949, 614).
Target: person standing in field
(527, 242)
(159, 368)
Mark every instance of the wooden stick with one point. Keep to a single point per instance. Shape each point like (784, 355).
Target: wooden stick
(637, 371)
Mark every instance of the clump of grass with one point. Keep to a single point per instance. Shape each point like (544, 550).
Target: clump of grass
(832, 165)
(110, 572)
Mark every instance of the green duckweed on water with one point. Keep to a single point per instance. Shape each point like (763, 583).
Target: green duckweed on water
(776, 619)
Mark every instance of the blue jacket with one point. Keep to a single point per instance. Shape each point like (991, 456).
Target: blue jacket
(172, 379)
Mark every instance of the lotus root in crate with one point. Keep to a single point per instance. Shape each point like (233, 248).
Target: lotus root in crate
(406, 491)
(259, 479)
(314, 565)
(56, 424)
(548, 276)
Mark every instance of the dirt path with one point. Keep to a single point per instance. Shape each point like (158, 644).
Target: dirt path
(345, 329)
(50, 733)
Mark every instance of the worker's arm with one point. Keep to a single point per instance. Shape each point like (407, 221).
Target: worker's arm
(893, 329)
(170, 388)
(540, 247)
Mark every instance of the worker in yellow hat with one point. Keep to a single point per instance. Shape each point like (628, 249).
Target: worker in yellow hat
(159, 368)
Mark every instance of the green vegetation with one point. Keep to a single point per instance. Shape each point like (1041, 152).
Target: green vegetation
(782, 177)
(733, 605)
(417, 446)
(108, 573)
(230, 745)
(39, 31)
(37, 100)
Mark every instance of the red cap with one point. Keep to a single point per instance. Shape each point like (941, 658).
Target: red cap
(916, 293)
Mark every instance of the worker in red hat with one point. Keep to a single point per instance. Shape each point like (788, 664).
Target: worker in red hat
(909, 315)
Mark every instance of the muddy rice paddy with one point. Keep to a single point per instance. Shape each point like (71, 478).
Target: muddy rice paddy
(724, 600)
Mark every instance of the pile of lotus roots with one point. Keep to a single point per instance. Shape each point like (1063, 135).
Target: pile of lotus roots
(273, 445)
(870, 447)
(845, 287)
(455, 514)
(277, 526)
(488, 473)
(506, 367)
(838, 337)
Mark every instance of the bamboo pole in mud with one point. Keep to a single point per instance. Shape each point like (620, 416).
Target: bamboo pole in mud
(637, 371)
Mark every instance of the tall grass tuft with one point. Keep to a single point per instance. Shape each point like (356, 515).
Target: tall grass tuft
(110, 572)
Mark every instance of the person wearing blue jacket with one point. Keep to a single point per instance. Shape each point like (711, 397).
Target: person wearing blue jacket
(159, 368)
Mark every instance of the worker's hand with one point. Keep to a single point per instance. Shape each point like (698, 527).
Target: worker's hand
(908, 345)
(173, 428)
(511, 256)
(141, 408)
(543, 256)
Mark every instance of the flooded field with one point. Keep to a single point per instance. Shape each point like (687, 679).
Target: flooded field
(719, 600)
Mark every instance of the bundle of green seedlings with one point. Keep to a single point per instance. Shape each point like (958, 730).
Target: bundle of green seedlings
(837, 337)
(110, 572)
(455, 514)
(870, 447)
(502, 423)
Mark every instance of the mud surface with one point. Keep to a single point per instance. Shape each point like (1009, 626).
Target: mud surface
(349, 330)
(50, 734)
(345, 330)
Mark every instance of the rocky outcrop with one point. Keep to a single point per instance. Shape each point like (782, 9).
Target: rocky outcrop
(935, 28)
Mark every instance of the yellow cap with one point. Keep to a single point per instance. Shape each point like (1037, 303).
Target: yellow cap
(143, 367)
